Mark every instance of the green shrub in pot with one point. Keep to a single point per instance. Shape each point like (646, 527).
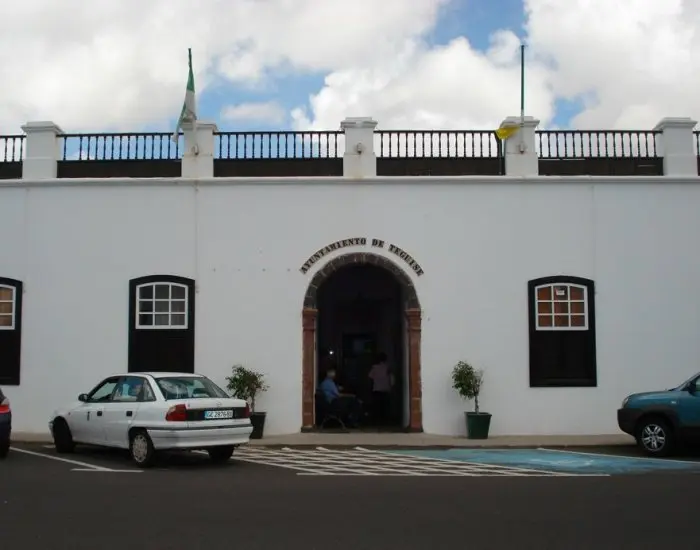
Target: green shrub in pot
(468, 382)
(245, 383)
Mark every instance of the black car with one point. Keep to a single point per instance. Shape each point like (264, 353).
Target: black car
(5, 425)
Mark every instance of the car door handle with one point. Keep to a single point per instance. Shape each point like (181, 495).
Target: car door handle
(129, 413)
(99, 413)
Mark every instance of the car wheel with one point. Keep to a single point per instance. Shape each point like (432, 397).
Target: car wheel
(141, 449)
(62, 437)
(222, 454)
(655, 437)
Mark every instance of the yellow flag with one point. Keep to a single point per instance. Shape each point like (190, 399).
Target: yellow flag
(506, 132)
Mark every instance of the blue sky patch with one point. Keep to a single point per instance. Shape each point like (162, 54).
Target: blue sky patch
(474, 19)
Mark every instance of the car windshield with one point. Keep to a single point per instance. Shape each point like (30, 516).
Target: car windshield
(686, 382)
(189, 387)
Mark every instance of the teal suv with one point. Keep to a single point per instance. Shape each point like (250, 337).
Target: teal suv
(660, 420)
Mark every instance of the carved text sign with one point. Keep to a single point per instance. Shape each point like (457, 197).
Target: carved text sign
(362, 241)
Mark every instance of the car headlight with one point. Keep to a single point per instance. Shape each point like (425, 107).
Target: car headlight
(624, 402)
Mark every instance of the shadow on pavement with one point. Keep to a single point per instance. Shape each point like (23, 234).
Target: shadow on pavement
(120, 459)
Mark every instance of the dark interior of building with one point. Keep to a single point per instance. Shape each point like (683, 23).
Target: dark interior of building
(360, 314)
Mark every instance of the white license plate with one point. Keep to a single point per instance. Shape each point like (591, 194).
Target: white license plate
(213, 415)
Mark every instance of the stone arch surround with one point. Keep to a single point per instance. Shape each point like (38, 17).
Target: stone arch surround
(413, 328)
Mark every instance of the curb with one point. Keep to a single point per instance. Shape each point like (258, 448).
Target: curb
(261, 444)
(434, 447)
(348, 446)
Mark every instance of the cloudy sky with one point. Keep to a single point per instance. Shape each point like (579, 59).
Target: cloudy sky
(105, 65)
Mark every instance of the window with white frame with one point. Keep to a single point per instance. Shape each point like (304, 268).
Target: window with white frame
(561, 306)
(7, 307)
(161, 306)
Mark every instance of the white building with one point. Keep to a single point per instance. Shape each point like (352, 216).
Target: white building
(276, 272)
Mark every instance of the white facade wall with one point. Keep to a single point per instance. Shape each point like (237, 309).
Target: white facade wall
(76, 244)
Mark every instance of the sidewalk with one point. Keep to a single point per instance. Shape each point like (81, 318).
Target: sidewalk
(407, 440)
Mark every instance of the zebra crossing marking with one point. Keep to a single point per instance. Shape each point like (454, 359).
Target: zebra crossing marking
(360, 461)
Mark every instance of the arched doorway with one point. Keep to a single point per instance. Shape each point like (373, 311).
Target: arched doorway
(339, 272)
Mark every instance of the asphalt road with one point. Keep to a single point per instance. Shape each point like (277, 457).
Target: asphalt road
(189, 503)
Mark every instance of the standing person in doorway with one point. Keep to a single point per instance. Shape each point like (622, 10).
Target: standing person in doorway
(382, 382)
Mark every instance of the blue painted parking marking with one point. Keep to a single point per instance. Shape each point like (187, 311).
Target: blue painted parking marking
(572, 462)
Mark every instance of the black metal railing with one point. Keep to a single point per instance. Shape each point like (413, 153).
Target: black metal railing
(571, 144)
(121, 146)
(12, 148)
(399, 152)
(278, 145)
(436, 143)
(550, 144)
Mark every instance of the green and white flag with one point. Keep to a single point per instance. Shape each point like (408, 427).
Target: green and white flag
(189, 107)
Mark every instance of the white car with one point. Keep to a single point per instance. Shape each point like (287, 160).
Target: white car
(146, 412)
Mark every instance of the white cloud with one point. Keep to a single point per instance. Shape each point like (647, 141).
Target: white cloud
(448, 87)
(267, 112)
(630, 62)
(635, 61)
(121, 65)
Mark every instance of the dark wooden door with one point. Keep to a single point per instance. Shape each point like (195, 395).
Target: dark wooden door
(10, 331)
(161, 324)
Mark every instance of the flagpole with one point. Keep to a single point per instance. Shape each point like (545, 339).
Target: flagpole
(194, 118)
(522, 97)
(188, 112)
(195, 147)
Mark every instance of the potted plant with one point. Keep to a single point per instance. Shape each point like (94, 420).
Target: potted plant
(468, 382)
(247, 384)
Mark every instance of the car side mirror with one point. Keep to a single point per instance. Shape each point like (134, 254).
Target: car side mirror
(692, 388)
(83, 397)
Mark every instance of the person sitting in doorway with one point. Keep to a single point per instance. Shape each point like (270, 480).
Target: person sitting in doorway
(346, 406)
(382, 382)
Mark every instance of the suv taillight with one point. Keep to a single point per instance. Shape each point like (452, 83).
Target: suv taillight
(5, 406)
(246, 412)
(176, 413)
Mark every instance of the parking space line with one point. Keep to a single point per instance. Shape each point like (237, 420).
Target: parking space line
(418, 466)
(401, 473)
(475, 465)
(365, 462)
(59, 459)
(359, 461)
(283, 462)
(664, 460)
(85, 467)
(109, 470)
(264, 462)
